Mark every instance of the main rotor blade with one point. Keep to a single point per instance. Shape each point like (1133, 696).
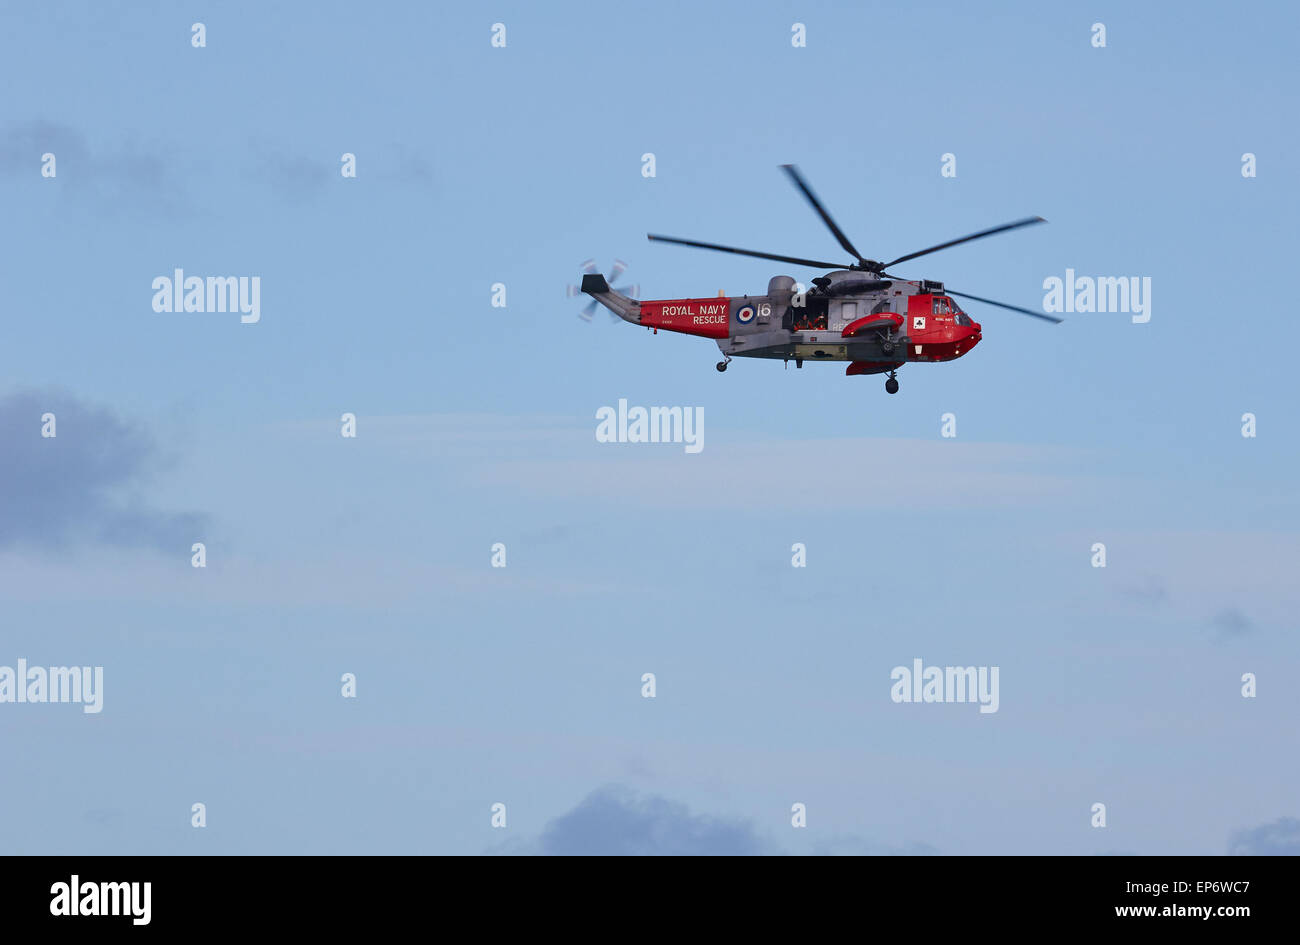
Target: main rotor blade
(1013, 308)
(749, 252)
(821, 211)
(1027, 221)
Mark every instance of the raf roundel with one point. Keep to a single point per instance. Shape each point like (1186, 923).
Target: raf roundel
(746, 314)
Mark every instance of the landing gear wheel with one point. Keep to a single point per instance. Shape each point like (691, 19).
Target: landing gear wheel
(891, 385)
(721, 366)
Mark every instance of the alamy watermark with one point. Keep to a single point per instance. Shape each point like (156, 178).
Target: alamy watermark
(920, 683)
(181, 293)
(651, 425)
(84, 684)
(1128, 294)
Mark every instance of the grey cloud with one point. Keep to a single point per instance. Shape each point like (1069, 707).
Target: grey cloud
(1279, 838)
(616, 821)
(83, 484)
(124, 178)
(23, 143)
(293, 178)
(1150, 590)
(858, 846)
(1231, 623)
(404, 166)
(298, 179)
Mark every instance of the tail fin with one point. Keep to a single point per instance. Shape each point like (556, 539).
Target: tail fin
(593, 283)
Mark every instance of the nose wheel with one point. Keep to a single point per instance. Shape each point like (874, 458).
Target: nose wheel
(891, 385)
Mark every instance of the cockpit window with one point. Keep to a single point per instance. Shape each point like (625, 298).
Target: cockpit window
(940, 306)
(963, 319)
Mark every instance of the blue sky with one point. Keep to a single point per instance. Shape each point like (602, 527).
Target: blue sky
(521, 685)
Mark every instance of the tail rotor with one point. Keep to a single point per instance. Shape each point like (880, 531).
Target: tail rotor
(590, 268)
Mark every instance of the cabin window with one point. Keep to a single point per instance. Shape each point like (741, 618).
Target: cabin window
(812, 317)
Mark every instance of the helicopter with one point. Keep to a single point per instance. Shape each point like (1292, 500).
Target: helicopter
(857, 312)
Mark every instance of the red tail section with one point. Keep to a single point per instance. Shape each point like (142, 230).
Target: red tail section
(708, 318)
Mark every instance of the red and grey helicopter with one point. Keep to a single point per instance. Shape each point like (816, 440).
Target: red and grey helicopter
(858, 313)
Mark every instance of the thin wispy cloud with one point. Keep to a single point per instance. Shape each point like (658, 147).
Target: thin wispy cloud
(949, 474)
